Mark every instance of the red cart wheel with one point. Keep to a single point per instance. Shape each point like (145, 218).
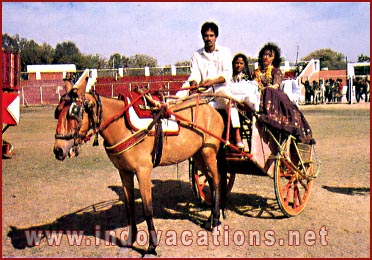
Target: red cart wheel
(7, 150)
(292, 188)
(201, 186)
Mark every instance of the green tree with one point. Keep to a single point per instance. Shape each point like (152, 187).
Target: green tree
(183, 63)
(46, 53)
(363, 58)
(114, 61)
(30, 53)
(328, 59)
(10, 42)
(93, 61)
(141, 61)
(68, 53)
(183, 67)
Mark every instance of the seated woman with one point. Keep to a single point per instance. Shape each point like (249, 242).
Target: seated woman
(243, 87)
(276, 109)
(244, 90)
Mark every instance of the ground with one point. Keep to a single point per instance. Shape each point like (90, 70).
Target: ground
(41, 194)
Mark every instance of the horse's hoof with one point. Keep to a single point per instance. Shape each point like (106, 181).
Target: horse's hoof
(124, 251)
(216, 230)
(151, 252)
(149, 256)
(128, 252)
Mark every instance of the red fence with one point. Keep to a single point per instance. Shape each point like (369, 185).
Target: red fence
(11, 68)
(42, 92)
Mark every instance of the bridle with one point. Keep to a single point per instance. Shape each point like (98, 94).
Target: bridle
(77, 109)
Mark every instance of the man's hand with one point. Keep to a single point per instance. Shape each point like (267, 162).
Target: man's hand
(207, 83)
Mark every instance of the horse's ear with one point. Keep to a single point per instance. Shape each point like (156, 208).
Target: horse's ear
(81, 84)
(68, 86)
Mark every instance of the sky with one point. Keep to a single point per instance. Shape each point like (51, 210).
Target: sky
(170, 31)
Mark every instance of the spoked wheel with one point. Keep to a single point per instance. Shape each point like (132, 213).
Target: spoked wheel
(201, 187)
(293, 177)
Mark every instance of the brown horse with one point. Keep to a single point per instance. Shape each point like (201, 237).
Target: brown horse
(80, 112)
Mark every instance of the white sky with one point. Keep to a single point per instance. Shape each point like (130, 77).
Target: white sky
(170, 31)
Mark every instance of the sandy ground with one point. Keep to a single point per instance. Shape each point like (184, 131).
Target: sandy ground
(41, 194)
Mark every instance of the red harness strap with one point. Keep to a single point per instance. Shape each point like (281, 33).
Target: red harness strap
(114, 118)
(177, 116)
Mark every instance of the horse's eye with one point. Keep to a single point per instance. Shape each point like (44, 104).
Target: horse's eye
(75, 111)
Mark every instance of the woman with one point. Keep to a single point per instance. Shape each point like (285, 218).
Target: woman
(268, 73)
(276, 108)
(243, 89)
(240, 68)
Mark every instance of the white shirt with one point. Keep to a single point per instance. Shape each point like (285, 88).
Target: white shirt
(206, 65)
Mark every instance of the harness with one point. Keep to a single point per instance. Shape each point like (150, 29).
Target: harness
(79, 107)
(76, 112)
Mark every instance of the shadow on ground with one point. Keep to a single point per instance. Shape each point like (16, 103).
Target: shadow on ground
(348, 190)
(171, 200)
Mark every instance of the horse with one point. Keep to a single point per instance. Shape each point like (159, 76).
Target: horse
(79, 113)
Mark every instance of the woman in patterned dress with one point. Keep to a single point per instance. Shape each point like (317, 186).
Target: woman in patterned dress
(276, 109)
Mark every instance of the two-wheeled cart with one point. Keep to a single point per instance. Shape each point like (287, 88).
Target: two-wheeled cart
(291, 164)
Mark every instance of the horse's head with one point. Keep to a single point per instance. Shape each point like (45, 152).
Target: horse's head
(74, 119)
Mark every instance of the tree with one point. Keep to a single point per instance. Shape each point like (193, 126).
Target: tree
(10, 43)
(328, 59)
(183, 67)
(141, 61)
(363, 58)
(68, 53)
(30, 52)
(114, 61)
(93, 62)
(46, 53)
(183, 63)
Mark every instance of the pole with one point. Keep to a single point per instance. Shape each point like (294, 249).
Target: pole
(41, 94)
(348, 83)
(297, 54)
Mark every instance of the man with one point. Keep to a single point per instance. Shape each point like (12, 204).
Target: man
(211, 71)
(211, 65)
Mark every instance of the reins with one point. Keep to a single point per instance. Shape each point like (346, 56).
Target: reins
(100, 126)
(195, 125)
(104, 125)
(226, 142)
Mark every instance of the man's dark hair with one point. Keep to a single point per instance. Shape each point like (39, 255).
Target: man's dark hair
(209, 25)
(271, 47)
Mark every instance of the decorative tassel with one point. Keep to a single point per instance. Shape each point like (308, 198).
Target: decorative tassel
(95, 142)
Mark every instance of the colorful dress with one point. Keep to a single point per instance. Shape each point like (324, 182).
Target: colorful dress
(269, 76)
(277, 110)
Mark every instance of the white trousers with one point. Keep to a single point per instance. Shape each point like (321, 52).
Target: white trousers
(222, 103)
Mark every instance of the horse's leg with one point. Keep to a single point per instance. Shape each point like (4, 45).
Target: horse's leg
(222, 169)
(144, 181)
(209, 155)
(127, 179)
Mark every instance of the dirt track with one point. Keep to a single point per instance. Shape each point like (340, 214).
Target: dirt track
(82, 194)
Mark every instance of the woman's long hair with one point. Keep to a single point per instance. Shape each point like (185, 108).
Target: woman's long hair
(271, 47)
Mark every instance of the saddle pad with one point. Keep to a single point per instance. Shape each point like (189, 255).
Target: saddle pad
(169, 126)
(142, 108)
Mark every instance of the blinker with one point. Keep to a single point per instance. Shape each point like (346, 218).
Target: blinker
(75, 111)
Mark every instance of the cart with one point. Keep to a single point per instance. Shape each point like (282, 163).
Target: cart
(292, 165)
(10, 108)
